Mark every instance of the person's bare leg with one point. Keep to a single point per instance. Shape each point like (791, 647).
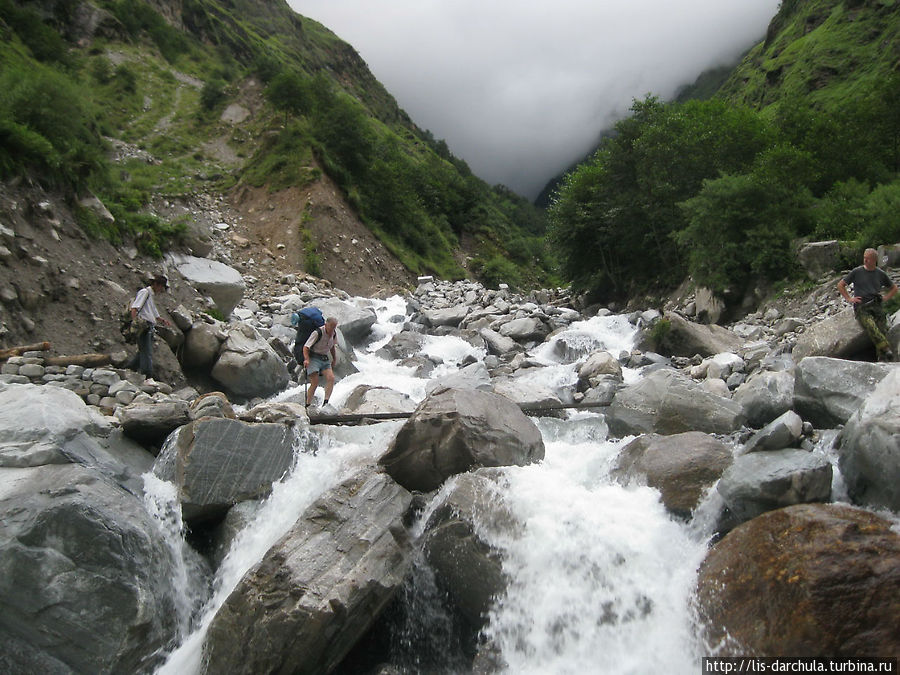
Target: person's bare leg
(329, 383)
(313, 383)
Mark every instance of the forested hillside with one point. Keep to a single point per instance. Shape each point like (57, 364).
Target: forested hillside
(802, 140)
(84, 81)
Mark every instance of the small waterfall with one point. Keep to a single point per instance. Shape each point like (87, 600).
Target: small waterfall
(188, 576)
(602, 576)
(311, 476)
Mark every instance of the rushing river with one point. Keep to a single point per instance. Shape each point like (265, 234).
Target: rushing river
(601, 575)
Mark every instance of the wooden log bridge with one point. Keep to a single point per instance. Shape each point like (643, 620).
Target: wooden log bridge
(527, 408)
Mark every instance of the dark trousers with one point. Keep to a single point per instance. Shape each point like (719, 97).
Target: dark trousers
(143, 360)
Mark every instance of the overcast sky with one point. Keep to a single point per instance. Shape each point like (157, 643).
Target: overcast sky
(521, 89)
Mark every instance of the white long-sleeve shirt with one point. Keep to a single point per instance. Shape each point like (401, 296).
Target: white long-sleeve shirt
(144, 304)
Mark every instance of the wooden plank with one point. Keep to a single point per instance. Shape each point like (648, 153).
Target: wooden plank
(353, 418)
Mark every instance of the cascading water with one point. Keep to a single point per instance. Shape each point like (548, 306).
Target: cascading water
(601, 576)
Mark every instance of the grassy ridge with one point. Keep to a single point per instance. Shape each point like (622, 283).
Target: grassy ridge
(162, 87)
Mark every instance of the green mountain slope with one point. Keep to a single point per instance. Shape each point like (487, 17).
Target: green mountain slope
(158, 78)
(826, 52)
(801, 141)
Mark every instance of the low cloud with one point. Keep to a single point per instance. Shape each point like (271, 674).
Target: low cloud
(520, 89)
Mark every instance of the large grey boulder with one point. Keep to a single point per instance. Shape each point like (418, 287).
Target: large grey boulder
(216, 462)
(201, 345)
(149, 422)
(601, 365)
(667, 402)
(85, 575)
(710, 308)
(762, 481)
(217, 280)
(355, 323)
(820, 257)
(466, 567)
(450, 316)
(765, 396)
(828, 391)
(525, 329)
(366, 399)
(681, 466)
(685, 338)
(320, 587)
(248, 366)
(870, 447)
(813, 579)
(42, 425)
(454, 430)
(526, 394)
(839, 336)
(498, 344)
(474, 376)
(404, 344)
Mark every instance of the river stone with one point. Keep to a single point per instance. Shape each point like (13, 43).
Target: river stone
(213, 404)
(763, 481)
(828, 391)
(807, 580)
(366, 399)
(870, 447)
(403, 345)
(839, 336)
(151, 421)
(765, 396)
(533, 396)
(498, 344)
(355, 323)
(524, 330)
(216, 462)
(217, 280)
(681, 466)
(474, 376)
(597, 366)
(320, 587)
(781, 433)
(450, 316)
(248, 366)
(454, 430)
(685, 338)
(85, 575)
(467, 568)
(201, 346)
(667, 402)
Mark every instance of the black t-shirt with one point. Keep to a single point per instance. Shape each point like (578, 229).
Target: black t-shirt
(868, 283)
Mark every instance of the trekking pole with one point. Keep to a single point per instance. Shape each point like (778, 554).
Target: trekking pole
(305, 387)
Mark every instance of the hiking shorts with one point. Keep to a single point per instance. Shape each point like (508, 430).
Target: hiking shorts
(318, 363)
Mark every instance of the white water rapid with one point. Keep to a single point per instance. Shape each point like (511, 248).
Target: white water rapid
(601, 575)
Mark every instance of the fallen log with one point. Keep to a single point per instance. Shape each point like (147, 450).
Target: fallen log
(357, 418)
(18, 351)
(86, 360)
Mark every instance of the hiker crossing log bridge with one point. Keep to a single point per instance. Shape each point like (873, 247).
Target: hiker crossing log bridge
(528, 409)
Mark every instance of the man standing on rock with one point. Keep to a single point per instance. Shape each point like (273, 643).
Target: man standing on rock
(144, 308)
(868, 280)
(320, 344)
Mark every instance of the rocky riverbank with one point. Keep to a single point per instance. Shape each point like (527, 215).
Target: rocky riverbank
(765, 428)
